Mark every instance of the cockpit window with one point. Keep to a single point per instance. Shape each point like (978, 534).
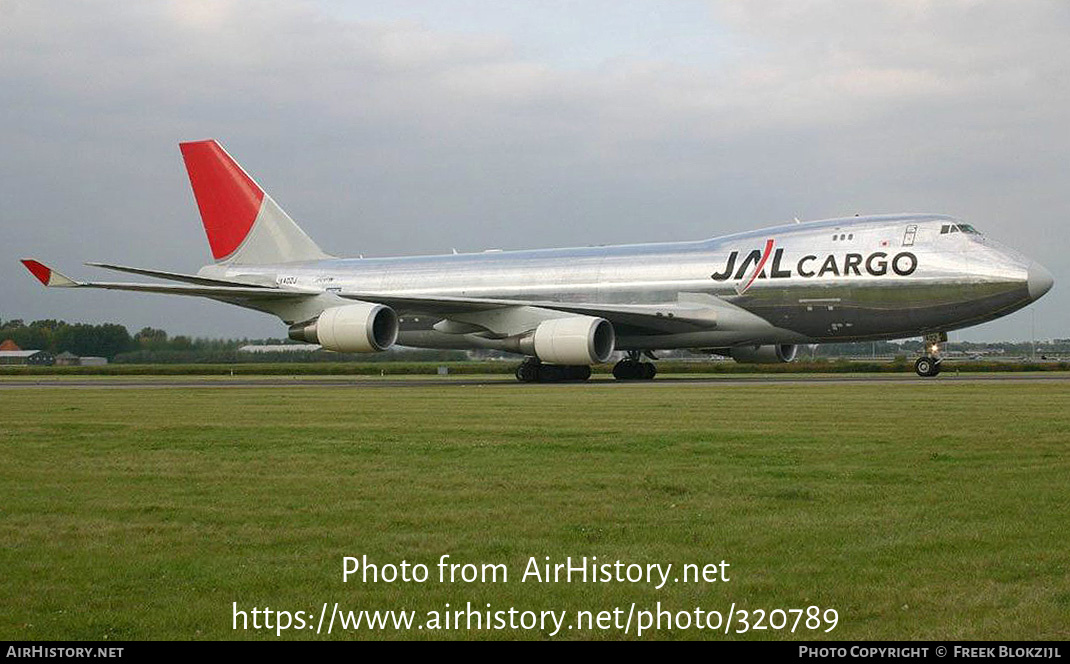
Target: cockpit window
(956, 228)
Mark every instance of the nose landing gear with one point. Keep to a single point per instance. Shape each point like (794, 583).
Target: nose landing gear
(928, 365)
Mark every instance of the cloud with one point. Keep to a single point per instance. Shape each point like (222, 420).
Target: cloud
(398, 135)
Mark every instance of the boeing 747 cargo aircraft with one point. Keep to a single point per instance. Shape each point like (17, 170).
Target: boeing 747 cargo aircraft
(753, 296)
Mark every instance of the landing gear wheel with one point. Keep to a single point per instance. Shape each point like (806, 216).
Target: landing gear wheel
(528, 371)
(534, 371)
(579, 372)
(552, 373)
(927, 366)
(632, 369)
(923, 366)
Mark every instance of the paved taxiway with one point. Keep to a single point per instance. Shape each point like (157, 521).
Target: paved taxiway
(678, 380)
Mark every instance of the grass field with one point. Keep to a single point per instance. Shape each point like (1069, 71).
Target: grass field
(923, 510)
(507, 367)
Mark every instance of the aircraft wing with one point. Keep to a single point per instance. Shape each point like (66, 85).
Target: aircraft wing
(698, 312)
(54, 279)
(667, 318)
(179, 276)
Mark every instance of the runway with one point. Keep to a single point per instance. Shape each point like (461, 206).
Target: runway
(505, 381)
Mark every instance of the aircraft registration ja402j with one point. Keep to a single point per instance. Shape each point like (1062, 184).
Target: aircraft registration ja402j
(752, 296)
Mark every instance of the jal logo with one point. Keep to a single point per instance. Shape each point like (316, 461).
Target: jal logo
(752, 267)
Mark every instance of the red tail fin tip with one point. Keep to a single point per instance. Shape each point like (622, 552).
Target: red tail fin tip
(228, 199)
(42, 272)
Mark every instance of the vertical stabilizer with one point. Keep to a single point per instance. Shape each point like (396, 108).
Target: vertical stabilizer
(244, 225)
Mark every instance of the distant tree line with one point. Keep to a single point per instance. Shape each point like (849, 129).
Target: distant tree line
(155, 346)
(57, 336)
(104, 340)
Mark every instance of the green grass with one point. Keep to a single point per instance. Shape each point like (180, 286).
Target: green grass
(927, 510)
(507, 367)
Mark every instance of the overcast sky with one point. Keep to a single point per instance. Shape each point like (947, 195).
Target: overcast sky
(389, 128)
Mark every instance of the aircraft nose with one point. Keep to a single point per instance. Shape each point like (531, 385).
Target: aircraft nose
(1039, 280)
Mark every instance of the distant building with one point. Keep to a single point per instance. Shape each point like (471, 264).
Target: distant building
(32, 357)
(67, 359)
(8, 344)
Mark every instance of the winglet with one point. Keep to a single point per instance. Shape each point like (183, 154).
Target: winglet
(47, 275)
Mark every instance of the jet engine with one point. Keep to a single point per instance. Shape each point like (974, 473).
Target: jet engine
(573, 340)
(770, 354)
(354, 328)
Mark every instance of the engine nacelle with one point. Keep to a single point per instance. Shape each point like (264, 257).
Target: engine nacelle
(769, 354)
(572, 340)
(354, 328)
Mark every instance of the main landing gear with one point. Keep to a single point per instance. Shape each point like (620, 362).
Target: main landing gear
(534, 371)
(631, 368)
(928, 365)
(531, 370)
